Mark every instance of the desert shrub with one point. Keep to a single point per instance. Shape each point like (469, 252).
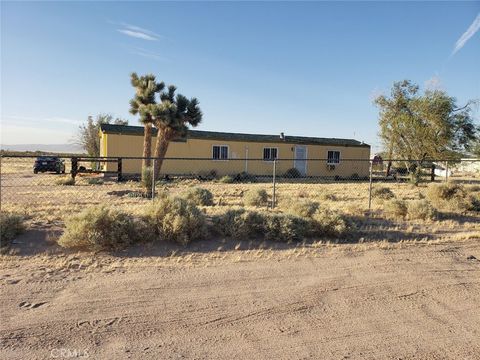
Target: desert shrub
(395, 209)
(448, 196)
(292, 173)
(199, 196)
(420, 210)
(256, 197)
(285, 227)
(65, 181)
(147, 178)
(383, 193)
(95, 181)
(245, 177)
(101, 228)
(227, 179)
(11, 225)
(239, 223)
(176, 219)
(474, 203)
(328, 223)
(207, 175)
(303, 208)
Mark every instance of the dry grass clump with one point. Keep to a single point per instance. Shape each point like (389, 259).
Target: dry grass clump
(395, 209)
(100, 228)
(383, 193)
(256, 197)
(199, 196)
(303, 208)
(65, 181)
(449, 196)
(421, 210)
(11, 225)
(176, 219)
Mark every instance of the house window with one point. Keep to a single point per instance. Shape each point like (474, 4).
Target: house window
(220, 152)
(333, 157)
(270, 154)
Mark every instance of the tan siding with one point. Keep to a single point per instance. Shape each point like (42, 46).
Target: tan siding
(117, 145)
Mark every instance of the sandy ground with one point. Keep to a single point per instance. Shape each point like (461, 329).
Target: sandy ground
(411, 301)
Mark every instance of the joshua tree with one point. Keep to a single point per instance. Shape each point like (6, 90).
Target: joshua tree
(145, 89)
(171, 117)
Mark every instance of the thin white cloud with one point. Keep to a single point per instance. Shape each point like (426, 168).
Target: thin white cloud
(138, 32)
(473, 28)
(148, 54)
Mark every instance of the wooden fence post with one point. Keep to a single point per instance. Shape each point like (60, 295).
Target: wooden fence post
(74, 170)
(432, 174)
(119, 169)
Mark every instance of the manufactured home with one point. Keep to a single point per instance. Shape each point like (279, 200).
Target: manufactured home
(233, 153)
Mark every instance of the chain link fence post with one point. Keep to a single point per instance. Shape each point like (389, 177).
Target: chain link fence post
(153, 178)
(274, 182)
(370, 188)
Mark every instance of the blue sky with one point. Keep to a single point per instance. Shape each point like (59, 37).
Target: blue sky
(300, 68)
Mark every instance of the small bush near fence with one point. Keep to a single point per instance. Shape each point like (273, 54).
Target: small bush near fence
(395, 209)
(11, 225)
(292, 173)
(382, 193)
(329, 223)
(100, 228)
(303, 208)
(420, 210)
(199, 196)
(176, 219)
(256, 197)
(239, 223)
(449, 196)
(285, 227)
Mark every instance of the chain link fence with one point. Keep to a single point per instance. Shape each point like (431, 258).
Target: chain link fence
(49, 187)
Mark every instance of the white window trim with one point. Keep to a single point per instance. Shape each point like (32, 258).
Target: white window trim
(339, 157)
(221, 145)
(270, 147)
(306, 158)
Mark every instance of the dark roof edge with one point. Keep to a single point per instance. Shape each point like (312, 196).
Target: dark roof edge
(213, 135)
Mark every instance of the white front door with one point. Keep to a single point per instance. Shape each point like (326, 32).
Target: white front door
(300, 161)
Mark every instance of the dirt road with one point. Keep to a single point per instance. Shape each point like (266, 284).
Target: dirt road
(411, 302)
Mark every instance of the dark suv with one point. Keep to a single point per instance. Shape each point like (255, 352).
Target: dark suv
(49, 163)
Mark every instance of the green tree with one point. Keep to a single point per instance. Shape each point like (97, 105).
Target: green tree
(172, 117)
(415, 126)
(88, 134)
(145, 89)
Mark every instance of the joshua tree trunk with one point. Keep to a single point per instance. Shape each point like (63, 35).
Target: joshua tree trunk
(164, 136)
(147, 145)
